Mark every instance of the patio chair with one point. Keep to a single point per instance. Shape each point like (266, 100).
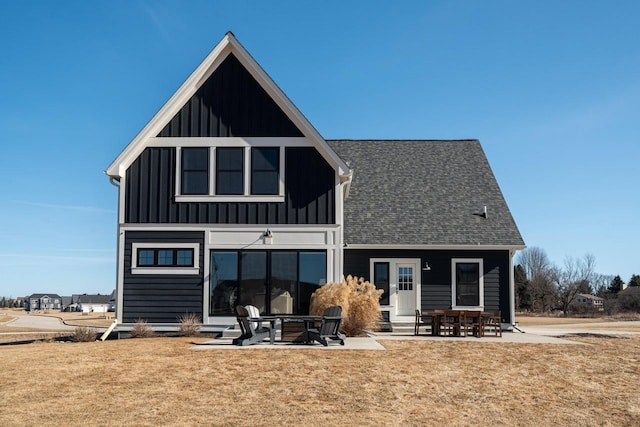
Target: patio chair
(423, 320)
(329, 327)
(472, 323)
(451, 323)
(492, 323)
(251, 329)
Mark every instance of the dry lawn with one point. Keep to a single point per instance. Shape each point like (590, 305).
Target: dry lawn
(161, 381)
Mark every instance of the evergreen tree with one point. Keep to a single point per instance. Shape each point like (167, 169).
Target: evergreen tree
(615, 286)
(635, 280)
(523, 294)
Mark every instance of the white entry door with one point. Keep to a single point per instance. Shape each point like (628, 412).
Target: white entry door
(406, 297)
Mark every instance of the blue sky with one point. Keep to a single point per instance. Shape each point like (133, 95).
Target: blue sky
(551, 89)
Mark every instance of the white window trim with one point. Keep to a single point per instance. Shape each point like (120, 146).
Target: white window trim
(247, 196)
(480, 263)
(135, 269)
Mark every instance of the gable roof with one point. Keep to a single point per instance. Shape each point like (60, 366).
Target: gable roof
(591, 297)
(228, 45)
(424, 193)
(38, 296)
(92, 299)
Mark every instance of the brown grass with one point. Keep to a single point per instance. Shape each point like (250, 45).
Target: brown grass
(161, 381)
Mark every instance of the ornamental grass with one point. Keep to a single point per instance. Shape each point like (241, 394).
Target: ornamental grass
(359, 299)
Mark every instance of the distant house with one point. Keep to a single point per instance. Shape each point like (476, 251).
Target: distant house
(230, 196)
(91, 303)
(588, 301)
(35, 302)
(66, 303)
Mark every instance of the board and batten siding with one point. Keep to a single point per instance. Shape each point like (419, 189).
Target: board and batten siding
(230, 103)
(309, 194)
(161, 298)
(436, 283)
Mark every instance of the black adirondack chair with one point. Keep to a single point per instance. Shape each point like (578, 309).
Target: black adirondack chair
(329, 327)
(251, 328)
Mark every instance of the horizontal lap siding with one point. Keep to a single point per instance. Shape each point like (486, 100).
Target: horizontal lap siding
(161, 298)
(436, 283)
(309, 194)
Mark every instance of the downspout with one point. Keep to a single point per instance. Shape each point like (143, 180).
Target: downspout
(512, 289)
(345, 186)
(116, 183)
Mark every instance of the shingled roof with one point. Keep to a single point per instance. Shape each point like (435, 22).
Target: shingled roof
(423, 192)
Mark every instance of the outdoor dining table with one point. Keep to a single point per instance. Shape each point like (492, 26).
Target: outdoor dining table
(435, 316)
(438, 321)
(297, 333)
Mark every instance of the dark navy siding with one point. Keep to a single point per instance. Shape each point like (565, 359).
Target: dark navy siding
(230, 103)
(309, 194)
(436, 283)
(161, 298)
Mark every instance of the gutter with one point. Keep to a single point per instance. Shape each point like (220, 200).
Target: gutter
(345, 183)
(113, 181)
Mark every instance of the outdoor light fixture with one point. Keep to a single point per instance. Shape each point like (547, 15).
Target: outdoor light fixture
(426, 267)
(268, 237)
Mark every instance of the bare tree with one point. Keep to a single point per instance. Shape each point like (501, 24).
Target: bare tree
(575, 278)
(540, 278)
(601, 283)
(534, 260)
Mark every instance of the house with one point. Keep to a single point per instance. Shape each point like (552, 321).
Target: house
(90, 303)
(588, 301)
(66, 303)
(35, 302)
(230, 196)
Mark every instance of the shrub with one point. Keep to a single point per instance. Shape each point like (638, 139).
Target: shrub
(141, 329)
(359, 299)
(84, 334)
(190, 325)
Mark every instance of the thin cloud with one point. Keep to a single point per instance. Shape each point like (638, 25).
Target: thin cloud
(64, 207)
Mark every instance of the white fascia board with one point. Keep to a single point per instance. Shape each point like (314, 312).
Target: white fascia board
(439, 247)
(170, 108)
(228, 44)
(287, 106)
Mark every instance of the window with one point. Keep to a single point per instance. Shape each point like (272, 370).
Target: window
(265, 170)
(381, 280)
(146, 257)
(165, 257)
(230, 171)
(467, 283)
(158, 258)
(278, 282)
(195, 171)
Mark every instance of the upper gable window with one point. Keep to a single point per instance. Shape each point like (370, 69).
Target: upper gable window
(265, 170)
(230, 174)
(195, 171)
(230, 171)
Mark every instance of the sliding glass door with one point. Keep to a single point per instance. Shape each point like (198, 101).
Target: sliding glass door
(277, 282)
